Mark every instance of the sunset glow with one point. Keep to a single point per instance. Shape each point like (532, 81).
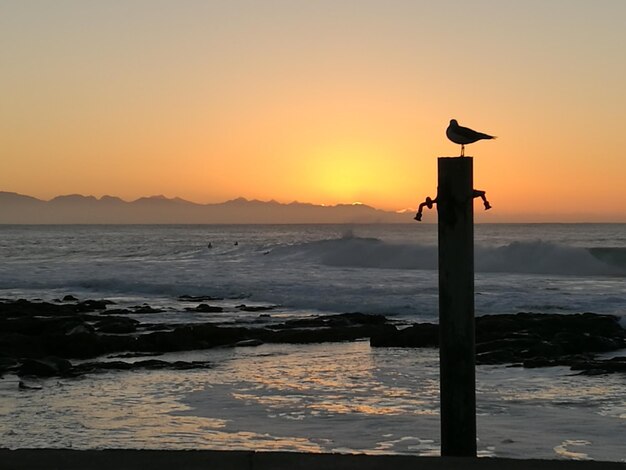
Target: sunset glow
(322, 102)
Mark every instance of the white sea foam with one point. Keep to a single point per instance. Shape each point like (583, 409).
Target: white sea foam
(540, 257)
(530, 257)
(377, 269)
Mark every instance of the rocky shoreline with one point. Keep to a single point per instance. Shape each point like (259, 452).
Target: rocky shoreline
(531, 340)
(46, 339)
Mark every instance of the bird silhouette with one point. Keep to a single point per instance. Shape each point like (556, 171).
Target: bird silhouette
(464, 135)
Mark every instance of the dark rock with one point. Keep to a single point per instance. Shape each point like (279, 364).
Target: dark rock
(251, 308)
(534, 340)
(116, 311)
(33, 332)
(150, 364)
(502, 356)
(326, 321)
(205, 308)
(21, 345)
(32, 325)
(601, 366)
(182, 365)
(190, 337)
(83, 328)
(7, 364)
(573, 342)
(118, 325)
(248, 342)
(157, 327)
(541, 349)
(546, 326)
(146, 309)
(21, 308)
(317, 335)
(198, 298)
(69, 298)
(135, 354)
(420, 335)
(536, 362)
(591, 372)
(24, 386)
(45, 367)
(86, 345)
(507, 343)
(92, 305)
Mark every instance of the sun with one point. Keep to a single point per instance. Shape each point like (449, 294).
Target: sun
(347, 173)
(364, 169)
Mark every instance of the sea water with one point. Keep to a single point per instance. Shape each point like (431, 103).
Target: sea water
(342, 397)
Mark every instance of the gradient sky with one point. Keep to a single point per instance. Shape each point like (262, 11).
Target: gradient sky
(317, 101)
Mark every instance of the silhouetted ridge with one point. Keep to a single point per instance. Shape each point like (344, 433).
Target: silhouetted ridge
(6, 196)
(159, 209)
(73, 198)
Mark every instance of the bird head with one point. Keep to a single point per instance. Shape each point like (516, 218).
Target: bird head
(453, 122)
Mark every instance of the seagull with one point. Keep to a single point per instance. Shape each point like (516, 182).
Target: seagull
(464, 135)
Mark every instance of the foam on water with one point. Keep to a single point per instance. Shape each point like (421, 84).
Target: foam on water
(529, 257)
(376, 269)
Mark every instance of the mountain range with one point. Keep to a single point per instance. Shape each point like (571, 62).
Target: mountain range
(77, 209)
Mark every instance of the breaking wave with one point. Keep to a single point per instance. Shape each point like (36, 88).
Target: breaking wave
(528, 257)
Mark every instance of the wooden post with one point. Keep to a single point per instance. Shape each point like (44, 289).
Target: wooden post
(456, 307)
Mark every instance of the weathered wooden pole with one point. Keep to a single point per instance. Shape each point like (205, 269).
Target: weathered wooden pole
(456, 306)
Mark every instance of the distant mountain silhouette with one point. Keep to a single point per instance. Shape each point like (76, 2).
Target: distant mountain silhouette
(77, 209)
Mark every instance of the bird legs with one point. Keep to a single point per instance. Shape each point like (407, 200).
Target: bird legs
(462, 150)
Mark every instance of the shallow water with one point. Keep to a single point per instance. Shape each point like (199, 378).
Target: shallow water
(344, 397)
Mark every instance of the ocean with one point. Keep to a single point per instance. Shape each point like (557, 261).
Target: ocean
(340, 397)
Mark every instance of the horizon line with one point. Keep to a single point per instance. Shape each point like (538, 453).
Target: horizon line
(526, 218)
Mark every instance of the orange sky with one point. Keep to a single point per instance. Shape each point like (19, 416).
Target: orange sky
(323, 102)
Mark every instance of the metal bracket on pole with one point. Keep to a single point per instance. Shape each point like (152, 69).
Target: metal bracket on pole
(481, 194)
(429, 202)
